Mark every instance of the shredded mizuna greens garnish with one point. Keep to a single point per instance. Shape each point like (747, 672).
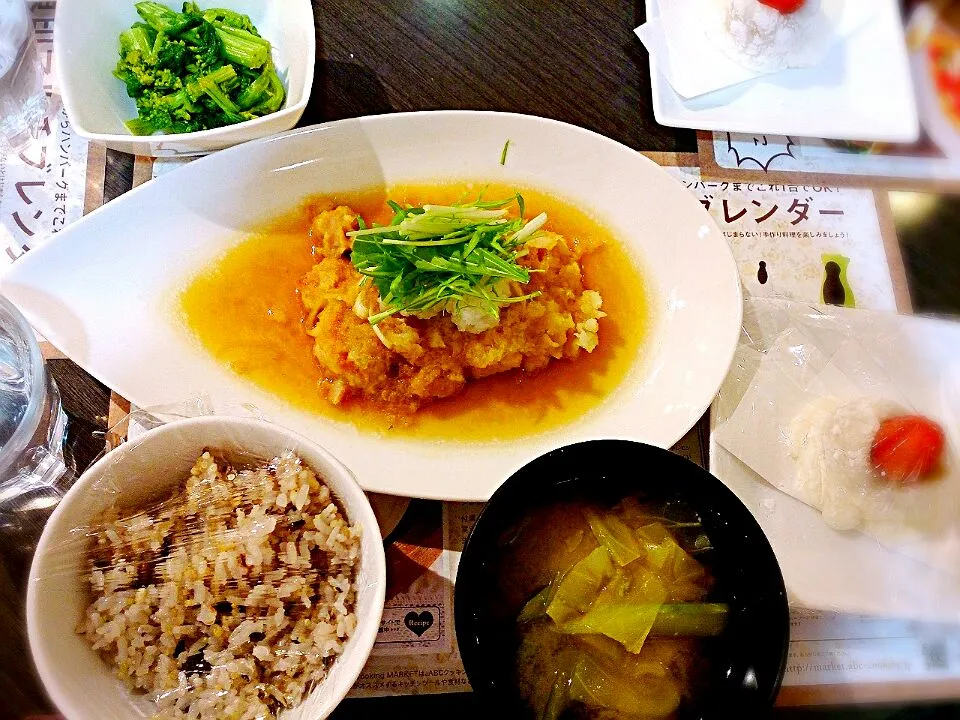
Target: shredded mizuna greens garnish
(431, 255)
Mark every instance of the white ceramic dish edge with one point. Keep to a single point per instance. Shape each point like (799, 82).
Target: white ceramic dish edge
(691, 356)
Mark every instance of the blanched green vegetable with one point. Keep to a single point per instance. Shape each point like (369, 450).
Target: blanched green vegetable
(559, 696)
(537, 606)
(691, 620)
(625, 610)
(598, 686)
(664, 553)
(580, 587)
(636, 666)
(196, 70)
(616, 536)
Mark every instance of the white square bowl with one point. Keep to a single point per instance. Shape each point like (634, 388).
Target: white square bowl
(86, 47)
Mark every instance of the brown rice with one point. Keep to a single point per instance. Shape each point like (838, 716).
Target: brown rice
(232, 598)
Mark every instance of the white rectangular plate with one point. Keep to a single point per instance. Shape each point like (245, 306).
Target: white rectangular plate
(851, 572)
(862, 91)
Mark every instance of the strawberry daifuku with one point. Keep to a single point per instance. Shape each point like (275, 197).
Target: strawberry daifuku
(769, 35)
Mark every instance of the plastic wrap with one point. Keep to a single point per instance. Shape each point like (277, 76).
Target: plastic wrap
(802, 408)
(212, 565)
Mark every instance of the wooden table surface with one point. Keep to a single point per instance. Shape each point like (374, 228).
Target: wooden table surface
(576, 61)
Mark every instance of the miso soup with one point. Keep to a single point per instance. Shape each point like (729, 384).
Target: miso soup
(612, 609)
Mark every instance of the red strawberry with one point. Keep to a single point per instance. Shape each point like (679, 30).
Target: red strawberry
(907, 449)
(785, 7)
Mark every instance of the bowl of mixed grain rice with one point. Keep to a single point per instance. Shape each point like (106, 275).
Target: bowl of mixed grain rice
(212, 568)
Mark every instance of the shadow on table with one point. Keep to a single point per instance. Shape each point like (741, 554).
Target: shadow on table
(414, 547)
(344, 90)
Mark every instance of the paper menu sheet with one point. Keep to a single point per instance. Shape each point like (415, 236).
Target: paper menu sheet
(875, 653)
(416, 651)
(871, 651)
(782, 158)
(42, 189)
(827, 650)
(783, 237)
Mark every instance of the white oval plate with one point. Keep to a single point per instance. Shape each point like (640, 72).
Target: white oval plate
(101, 290)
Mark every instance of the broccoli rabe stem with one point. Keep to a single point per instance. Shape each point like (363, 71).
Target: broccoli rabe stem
(230, 18)
(136, 38)
(140, 127)
(163, 19)
(199, 86)
(216, 93)
(243, 48)
(158, 43)
(276, 97)
(192, 36)
(255, 92)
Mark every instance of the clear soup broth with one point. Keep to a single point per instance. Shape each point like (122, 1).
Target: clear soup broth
(246, 312)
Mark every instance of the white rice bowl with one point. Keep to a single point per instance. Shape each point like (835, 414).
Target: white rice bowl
(762, 39)
(337, 631)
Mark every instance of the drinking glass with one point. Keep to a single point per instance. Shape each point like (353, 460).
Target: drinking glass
(23, 102)
(33, 473)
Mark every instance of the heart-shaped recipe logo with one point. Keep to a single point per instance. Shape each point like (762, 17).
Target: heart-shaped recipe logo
(418, 623)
